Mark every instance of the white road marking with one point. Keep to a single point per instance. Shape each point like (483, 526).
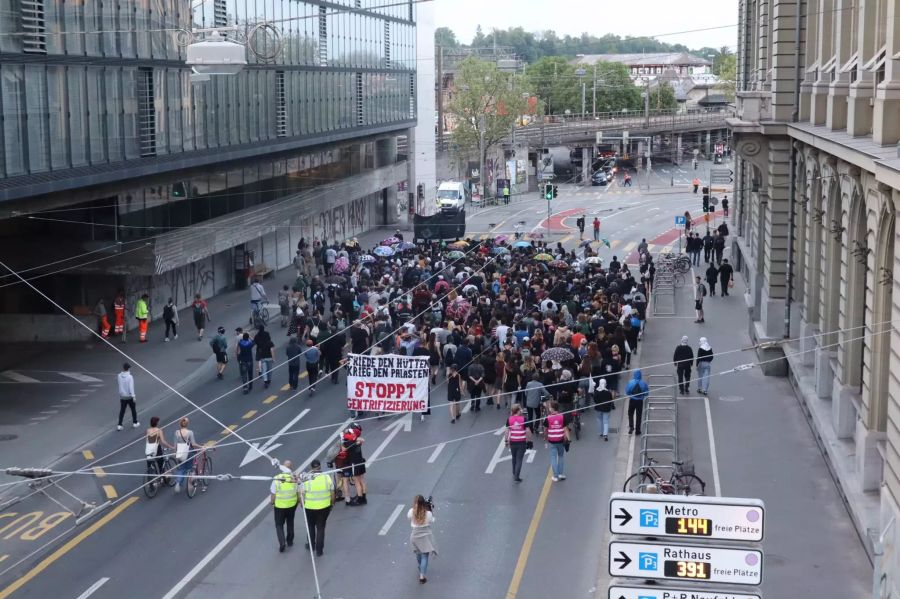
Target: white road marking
(466, 408)
(390, 521)
(402, 423)
(81, 377)
(499, 457)
(248, 519)
(256, 451)
(712, 449)
(437, 451)
(18, 377)
(93, 588)
(629, 468)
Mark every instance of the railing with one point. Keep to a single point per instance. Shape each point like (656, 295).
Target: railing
(659, 426)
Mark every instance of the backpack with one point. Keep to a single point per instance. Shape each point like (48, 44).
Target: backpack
(702, 289)
(168, 313)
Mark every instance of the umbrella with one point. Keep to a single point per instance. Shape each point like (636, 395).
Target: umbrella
(606, 243)
(558, 354)
(500, 239)
(458, 245)
(594, 260)
(340, 265)
(458, 309)
(522, 244)
(500, 250)
(406, 245)
(335, 280)
(558, 264)
(456, 255)
(537, 235)
(585, 243)
(351, 243)
(366, 258)
(384, 251)
(390, 241)
(543, 257)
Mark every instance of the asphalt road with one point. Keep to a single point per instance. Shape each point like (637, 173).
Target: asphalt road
(495, 538)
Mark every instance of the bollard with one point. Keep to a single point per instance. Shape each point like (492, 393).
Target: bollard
(673, 182)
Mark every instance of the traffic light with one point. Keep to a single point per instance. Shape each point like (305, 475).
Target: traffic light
(555, 191)
(705, 199)
(548, 191)
(178, 190)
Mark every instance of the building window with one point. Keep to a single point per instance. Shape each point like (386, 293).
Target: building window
(323, 36)
(220, 13)
(34, 40)
(280, 106)
(360, 112)
(876, 65)
(146, 112)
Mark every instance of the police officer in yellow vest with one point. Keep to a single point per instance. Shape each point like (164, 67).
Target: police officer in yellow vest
(285, 495)
(317, 494)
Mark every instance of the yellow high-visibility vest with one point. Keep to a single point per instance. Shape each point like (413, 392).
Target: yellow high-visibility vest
(317, 492)
(285, 491)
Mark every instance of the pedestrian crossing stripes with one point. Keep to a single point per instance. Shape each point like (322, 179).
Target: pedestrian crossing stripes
(47, 377)
(18, 377)
(78, 376)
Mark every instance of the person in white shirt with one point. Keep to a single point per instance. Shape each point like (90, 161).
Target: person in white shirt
(330, 258)
(421, 538)
(257, 296)
(126, 396)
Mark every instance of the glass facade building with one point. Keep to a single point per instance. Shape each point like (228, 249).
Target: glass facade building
(97, 83)
(106, 138)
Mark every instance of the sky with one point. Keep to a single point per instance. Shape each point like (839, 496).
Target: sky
(637, 18)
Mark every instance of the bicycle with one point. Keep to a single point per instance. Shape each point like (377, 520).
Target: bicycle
(678, 483)
(681, 263)
(155, 478)
(202, 468)
(260, 315)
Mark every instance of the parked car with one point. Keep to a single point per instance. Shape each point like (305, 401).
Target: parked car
(599, 178)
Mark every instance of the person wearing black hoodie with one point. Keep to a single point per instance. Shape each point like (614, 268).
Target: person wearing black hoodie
(683, 359)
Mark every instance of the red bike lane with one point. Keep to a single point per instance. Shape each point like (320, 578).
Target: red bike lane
(671, 235)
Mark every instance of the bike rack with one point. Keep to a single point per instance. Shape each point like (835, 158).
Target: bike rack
(660, 422)
(664, 290)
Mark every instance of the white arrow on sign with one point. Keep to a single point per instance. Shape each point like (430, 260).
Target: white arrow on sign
(499, 457)
(688, 563)
(258, 451)
(404, 423)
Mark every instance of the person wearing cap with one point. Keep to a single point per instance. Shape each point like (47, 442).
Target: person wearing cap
(704, 362)
(284, 495)
(219, 345)
(317, 495)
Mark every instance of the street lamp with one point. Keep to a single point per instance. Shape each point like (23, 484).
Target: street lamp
(581, 73)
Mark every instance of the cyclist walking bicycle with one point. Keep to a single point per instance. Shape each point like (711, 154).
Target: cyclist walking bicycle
(258, 299)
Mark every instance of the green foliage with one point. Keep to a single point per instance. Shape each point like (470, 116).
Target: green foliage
(444, 36)
(533, 46)
(662, 97)
(725, 67)
(487, 101)
(556, 84)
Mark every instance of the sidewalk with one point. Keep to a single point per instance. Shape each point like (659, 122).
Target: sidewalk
(57, 397)
(750, 438)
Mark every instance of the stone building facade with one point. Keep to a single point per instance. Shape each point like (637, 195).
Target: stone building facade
(817, 188)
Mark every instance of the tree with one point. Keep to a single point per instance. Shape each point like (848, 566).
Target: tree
(444, 36)
(553, 81)
(615, 90)
(486, 105)
(662, 97)
(726, 69)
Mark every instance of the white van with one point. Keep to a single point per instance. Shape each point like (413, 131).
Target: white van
(451, 195)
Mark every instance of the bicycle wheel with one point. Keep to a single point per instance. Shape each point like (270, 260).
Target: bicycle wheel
(679, 280)
(264, 314)
(207, 470)
(637, 482)
(151, 487)
(683, 264)
(577, 427)
(191, 485)
(689, 484)
(169, 476)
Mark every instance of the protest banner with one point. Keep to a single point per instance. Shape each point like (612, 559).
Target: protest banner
(387, 383)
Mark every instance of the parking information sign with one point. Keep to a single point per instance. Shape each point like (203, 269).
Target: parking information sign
(653, 592)
(704, 518)
(692, 563)
(679, 222)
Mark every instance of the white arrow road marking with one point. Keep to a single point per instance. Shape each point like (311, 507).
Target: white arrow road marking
(437, 451)
(404, 422)
(248, 519)
(390, 521)
(257, 452)
(499, 457)
(93, 588)
(81, 377)
(18, 377)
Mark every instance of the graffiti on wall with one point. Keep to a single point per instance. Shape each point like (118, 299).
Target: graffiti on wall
(180, 284)
(338, 223)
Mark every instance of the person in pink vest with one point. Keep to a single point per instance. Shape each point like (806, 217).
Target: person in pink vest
(558, 437)
(517, 439)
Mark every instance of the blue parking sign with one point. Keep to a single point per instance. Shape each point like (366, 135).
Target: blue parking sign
(647, 561)
(649, 518)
